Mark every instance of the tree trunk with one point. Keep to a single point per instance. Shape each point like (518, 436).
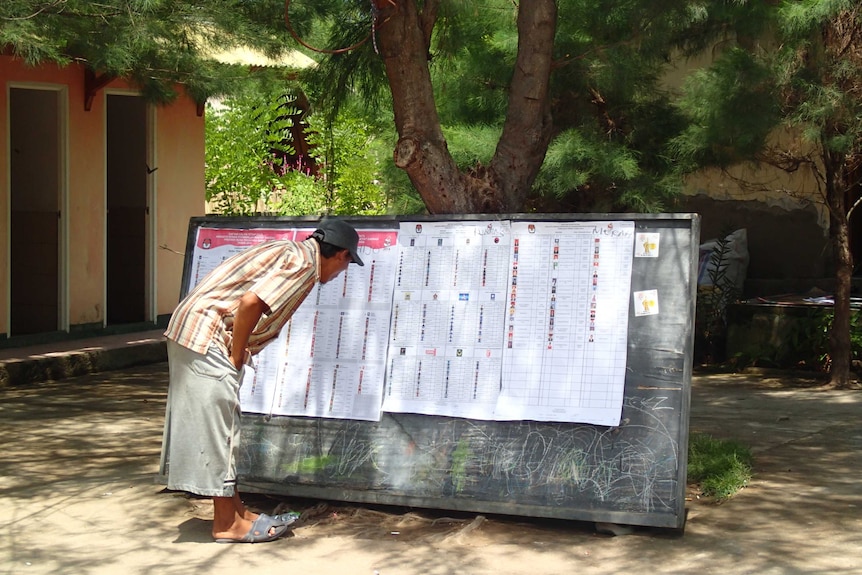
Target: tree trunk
(839, 236)
(403, 37)
(528, 128)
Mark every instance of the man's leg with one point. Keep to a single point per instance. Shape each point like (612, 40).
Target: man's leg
(227, 522)
(241, 509)
(203, 412)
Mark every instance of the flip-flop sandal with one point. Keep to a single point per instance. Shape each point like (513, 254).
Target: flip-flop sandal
(260, 531)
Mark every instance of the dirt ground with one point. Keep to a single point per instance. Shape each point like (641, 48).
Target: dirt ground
(78, 496)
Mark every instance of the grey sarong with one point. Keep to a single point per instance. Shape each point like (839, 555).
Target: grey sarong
(202, 422)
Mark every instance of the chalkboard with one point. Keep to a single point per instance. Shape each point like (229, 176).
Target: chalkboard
(633, 474)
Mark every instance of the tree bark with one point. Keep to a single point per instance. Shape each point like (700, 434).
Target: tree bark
(529, 126)
(403, 36)
(839, 235)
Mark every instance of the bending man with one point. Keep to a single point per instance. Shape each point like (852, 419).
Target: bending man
(234, 312)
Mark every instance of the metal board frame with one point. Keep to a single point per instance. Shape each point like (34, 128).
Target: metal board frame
(632, 474)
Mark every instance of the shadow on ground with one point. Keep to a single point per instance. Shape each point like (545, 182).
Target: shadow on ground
(79, 458)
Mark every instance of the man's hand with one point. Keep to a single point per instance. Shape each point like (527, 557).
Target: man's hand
(245, 319)
(238, 363)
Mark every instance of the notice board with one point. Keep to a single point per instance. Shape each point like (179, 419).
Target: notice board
(470, 424)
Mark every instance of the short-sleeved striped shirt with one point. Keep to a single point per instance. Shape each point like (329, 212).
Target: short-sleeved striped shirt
(281, 273)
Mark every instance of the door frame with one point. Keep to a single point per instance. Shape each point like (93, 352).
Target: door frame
(63, 295)
(150, 225)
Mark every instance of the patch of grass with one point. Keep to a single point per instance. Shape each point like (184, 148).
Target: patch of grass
(721, 468)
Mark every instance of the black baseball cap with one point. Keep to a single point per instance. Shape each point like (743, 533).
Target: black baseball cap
(339, 234)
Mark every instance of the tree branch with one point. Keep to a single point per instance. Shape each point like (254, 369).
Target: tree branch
(427, 20)
(37, 12)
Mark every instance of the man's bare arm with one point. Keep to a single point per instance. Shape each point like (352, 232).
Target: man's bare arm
(245, 319)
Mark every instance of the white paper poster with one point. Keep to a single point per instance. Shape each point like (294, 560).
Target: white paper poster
(567, 322)
(446, 337)
(495, 320)
(329, 359)
(215, 245)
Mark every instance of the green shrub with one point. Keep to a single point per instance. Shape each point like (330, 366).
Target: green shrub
(804, 343)
(252, 163)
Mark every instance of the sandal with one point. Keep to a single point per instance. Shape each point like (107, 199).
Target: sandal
(260, 531)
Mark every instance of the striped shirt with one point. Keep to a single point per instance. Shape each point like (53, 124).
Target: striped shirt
(281, 273)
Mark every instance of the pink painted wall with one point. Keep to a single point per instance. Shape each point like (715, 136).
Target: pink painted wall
(179, 188)
(180, 191)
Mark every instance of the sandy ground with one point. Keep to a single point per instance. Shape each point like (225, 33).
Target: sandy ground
(78, 496)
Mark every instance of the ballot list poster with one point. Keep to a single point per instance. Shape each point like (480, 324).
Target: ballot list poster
(329, 360)
(566, 322)
(446, 334)
(215, 245)
(332, 358)
(488, 320)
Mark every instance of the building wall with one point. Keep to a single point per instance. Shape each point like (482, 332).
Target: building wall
(784, 214)
(786, 221)
(180, 193)
(179, 189)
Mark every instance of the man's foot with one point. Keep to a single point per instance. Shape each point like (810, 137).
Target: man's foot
(263, 529)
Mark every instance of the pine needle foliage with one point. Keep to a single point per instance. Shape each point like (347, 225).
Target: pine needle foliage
(733, 108)
(803, 77)
(612, 117)
(158, 44)
(606, 87)
(472, 145)
(349, 70)
(807, 77)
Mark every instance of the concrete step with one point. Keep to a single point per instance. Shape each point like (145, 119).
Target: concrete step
(61, 360)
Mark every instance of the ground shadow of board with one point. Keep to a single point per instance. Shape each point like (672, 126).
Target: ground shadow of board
(632, 474)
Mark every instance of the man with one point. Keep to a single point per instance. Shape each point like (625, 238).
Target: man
(234, 312)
